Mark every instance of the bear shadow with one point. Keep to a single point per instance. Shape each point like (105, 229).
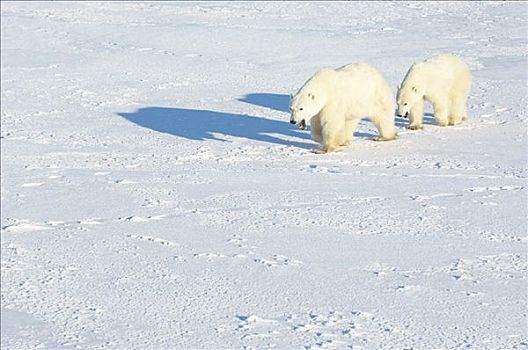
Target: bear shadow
(201, 125)
(281, 103)
(278, 102)
(401, 122)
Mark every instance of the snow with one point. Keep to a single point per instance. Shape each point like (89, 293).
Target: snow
(154, 195)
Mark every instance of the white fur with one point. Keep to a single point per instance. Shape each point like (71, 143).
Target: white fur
(444, 81)
(334, 101)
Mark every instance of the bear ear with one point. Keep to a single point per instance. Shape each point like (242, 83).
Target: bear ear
(399, 86)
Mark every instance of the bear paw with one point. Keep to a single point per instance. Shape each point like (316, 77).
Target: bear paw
(327, 149)
(318, 151)
(384, 138)
(414, 127)
(455, 122)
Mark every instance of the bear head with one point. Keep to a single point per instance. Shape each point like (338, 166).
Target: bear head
(304, 106)
(408, 96)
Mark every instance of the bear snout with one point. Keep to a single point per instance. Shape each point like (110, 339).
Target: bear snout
(292, 121)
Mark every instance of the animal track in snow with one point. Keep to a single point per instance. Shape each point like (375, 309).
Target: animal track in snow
(153, 239)
(252, 320)
(237, 241)
(125, 182)
(141, 219)
(425, 198)
(502, 237)
(332, 329)
(209, 256)
(501, 266)
(277, 260)
(408, 288)
(494, 188)
(313, 168)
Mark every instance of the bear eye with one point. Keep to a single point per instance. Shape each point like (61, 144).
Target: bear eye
(300, 109)
(405, 104)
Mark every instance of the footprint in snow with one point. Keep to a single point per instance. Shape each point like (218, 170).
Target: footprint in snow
(153, 240)
(141, 218)
(439, 195)
(493, 188)
(125, 182)
(278, 260)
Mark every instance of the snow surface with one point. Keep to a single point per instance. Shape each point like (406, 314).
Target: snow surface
(154, 195)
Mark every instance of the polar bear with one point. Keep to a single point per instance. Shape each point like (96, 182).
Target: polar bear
(444, 81)
(334, 101)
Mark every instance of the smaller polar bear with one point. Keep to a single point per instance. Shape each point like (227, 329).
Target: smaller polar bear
(334, 101)
(444, 81)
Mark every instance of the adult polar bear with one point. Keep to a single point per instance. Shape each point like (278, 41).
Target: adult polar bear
(334, 101)
(443, 80)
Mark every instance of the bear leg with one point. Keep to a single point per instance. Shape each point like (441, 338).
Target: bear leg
(315, 129)
(441, 113)
(350, 128)
(331, 132)
(385, 125)
(458, 111)
(416, 116)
